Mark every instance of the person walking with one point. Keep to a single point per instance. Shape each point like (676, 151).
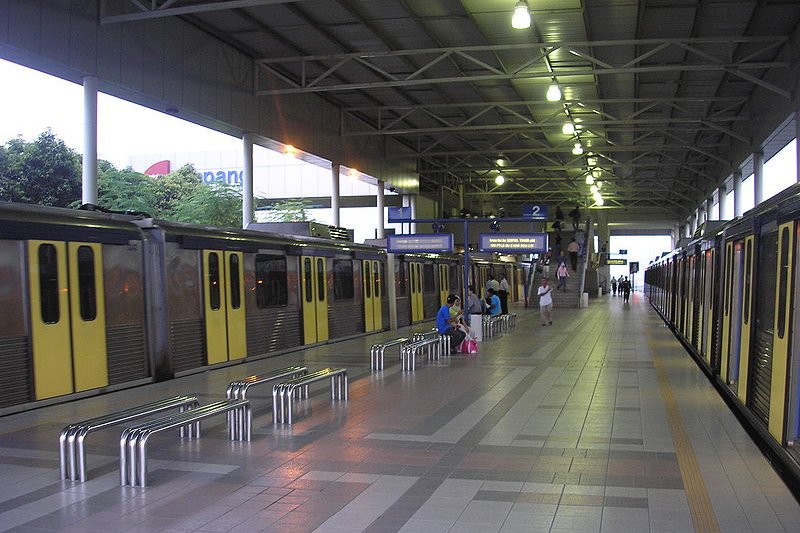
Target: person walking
(447, 324)
(546, 302)
(503, 294)
(562, 273)
(573, 250)
(575, 215)
(626, 290)
(614, 286)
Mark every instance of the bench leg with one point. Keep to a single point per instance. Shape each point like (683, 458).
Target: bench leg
(80, 455)
(275, 415)
(62, 452)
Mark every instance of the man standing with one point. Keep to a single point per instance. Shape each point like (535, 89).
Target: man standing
(491, 283)
(503, 294)
(546, 302)
(448, 325)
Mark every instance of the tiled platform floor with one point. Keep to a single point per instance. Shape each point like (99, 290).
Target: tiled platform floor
(598, 423)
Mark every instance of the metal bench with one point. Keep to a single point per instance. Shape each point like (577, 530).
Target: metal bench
(377, 351)
(432, 347)
(491, 325)
(237, 390)
(133, 441)
(71, 450)
(434, 333)
(283, 393)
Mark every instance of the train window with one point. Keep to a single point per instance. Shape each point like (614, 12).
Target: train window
(748, 279)
(272, 287)
(428, 279)
(400, 273)
(233, 275)
(343, 288)
(48, 284)
(367, 275)
(783, 282)
(87, 296)
(453, 278)
(309, 283)
(320, 279)
(381, 289)
(213, 280)
(376, 275)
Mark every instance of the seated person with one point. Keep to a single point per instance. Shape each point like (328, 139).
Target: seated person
(494, 303)
(448, 325)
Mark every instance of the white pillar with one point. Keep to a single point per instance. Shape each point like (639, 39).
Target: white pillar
(737, 193)
(89, 185)
(412, 201)
(247, 180)
(381, 203)
(709, 206)
(723, 211)
(335, 169)
(758, 176)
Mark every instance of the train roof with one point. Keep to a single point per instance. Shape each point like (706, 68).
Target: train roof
(27, 221)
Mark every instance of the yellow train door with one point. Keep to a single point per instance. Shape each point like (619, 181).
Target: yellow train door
(314, 293)
(708, 330)
(372, 291)
(223, 302)
(68, 333)
(417, 311)
(781, 340)
(747, 311)
(444, 284)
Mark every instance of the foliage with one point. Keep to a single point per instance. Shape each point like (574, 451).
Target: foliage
(45, 171)
(126, 190)
(290, 210)
(217, 204)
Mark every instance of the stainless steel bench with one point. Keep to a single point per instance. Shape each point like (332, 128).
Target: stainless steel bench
(431, 347)
(283, 393)
(434, 333)
(133, 441)
(237, 390)
(377, 351)
(72, 452)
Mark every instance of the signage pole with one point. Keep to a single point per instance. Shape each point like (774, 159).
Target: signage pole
(466, 265)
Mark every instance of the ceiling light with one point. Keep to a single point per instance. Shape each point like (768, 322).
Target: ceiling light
(596, 173)
(353, 172)
(599, 184)
(568, 128)
(591, 161)
(577, 149)
(521, 19)
(594, 188)
(553, 93)
(500, 179)
(501, 161)
(596, 195)
(289, 149)
(589, 180)
(599, 201)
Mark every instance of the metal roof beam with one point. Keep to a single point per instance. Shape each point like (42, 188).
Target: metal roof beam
(164, 9)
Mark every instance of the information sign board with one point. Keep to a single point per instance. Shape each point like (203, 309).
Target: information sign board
(616, 262)
(399, 214)
(633, 267)
(623, 252)
(520, 243)
(422, 243)
(535, 211)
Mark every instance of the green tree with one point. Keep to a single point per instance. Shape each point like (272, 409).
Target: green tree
(217, 204)
(290, 210)
(125, 190)
(172, 189)
(45, 171)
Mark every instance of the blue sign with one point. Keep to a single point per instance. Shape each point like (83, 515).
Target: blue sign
(535, 211)
(519, 243)
(399, 214)
(422, 243)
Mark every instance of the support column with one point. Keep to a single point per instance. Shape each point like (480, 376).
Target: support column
(709, 206)
(737, 193)
(723, 211)
(797, 142)
(412, 202)
(758, 176)
(381, 203)
(335, 169)
(461, 194)
(247, 180)
(89, 179)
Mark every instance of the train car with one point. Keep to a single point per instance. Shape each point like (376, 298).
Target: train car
(72, 303)
(730, 296)
(232, 294)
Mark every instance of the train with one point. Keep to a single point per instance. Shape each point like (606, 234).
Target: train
(94, 301)
(730, 294)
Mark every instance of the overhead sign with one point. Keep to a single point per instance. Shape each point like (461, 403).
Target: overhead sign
(535, 211)
(399, 214)
(616, 262)
(422, 243)
(520, 243)
(633, 267)
(623, 252)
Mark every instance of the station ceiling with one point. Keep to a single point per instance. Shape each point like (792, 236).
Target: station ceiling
(665, 95)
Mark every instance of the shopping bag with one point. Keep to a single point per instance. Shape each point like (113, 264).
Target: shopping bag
(471, 346)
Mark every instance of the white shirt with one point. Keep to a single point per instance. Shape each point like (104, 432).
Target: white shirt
(504, 285)
(545, 299)
(492, 284)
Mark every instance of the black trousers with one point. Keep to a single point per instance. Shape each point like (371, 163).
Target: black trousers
(503, 295)
(573, 258)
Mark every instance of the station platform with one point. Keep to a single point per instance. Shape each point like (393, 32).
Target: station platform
(598, 423)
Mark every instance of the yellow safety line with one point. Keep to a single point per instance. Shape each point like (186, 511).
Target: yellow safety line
(703, 516)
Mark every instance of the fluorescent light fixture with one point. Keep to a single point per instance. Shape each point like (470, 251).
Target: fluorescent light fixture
(577, 149)
(568, 128)
(599, 201)
(591, 161)
(599, 184)
(501, 161)
(594, 188)
(553, 93)
(596, 173)
(589, 180)
(289, 149)
(521, 19)
(500, 179)
(353, 172)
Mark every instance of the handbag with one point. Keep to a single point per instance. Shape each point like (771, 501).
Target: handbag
(470, 346)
